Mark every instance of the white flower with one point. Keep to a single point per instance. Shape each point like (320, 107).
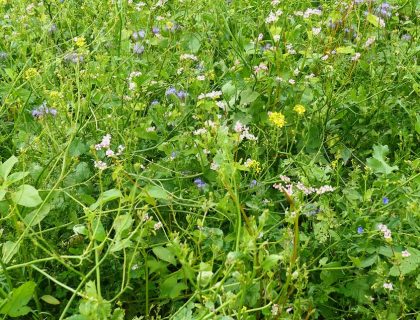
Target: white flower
(201, 78)
(200, 131)
(316, 31)
(324, 57)
(214, 166)
(187, 56)
(356, 56)
(292, 81)
(276, 38)
(109, 153)
(275, 309)
(239, 127)
(158, 225)
(100, 165)
(151, 129)
(389, 286)
(405, 253)
(369, 42)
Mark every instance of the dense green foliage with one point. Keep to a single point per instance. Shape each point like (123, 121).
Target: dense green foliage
(219, 159)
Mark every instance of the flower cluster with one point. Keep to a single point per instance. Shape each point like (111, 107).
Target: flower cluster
(253, 164)
(30, 73)
(131, 84)
(43, 110)
(200, 183)
(299, 109)
(244, 132)
(273, 16)
(187, 56)
(389, 286)
(179, 93)
(211, 95)
(73, 57)
(288, 187)
(385, 231)
(277, 118)
(106, 144)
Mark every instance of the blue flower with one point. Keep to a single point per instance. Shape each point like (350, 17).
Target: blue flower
(385, 200)
(199, 183)
(360, 230)
(155, 30)
(43, 110)
(138, 49)
(253, 183)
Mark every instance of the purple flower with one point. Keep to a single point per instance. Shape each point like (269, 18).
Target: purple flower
(154, 102)
(199, 183)
(53, 28)
(73, 57)
(141, 33)
(253, 183)
(385, 200)
(43, 110)
(360, 230)
(138, 49)
(155, 30)
(170, 91)
(181, 94)
(406, 37)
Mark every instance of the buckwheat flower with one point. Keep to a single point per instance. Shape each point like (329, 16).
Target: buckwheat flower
(201, 78)
(360, 230)
(356, 56)
(109, 153)
(199, 183)
(316, 31)
(214, 166)
(100, 165)
(120, 150)
(405, 253)
(275, 309)
(3, 55)
(272, 17)
(299, 109)
(261, 67)
(222, 105)
(135, 267)
(276, 38)
(138, 48)
(325, 57)
(292, 81)
(385, 200)
(388, 286)
(277, 118)
(324, 189)
(157, 225)
(200, 131)
(369, 42)
(285, 179)
(239, 127)
(151, 129)
(260, 37)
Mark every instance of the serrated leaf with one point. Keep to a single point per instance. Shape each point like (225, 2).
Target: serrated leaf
(26, 196)
(377, 163)
(7, 166)
(50, 299)
(164, 254)
(16, 303)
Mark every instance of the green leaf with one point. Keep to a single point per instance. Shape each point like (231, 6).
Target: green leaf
(156, 192)
(50, 299)
(164, 254)
(26, 196)
(7, 166)
(374, 20)
(16, 304)
(248, 96)
(98, 230)
(345, 50)
(271, 261)
(36, 216)
(9, 249)
(77, 147)
(2, 194)
(377, 163)
(15, 177)
(118, 314)
(105, 197)
(122, 223)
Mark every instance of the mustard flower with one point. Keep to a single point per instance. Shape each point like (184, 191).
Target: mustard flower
(277, 118)
(299, 109)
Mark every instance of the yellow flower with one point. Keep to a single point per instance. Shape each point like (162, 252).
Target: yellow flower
(277, 118)
(299, 109)
(80, 41)
(253, 164)
(30, 73)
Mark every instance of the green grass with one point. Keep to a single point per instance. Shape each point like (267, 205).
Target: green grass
(209, 160)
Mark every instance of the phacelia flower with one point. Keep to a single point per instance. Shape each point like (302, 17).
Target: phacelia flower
(199, 183)
(138, 48)
(299, 109)
(43, 110)
(360, 230)
(157, 225)
(385, 200)
(277, 118)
